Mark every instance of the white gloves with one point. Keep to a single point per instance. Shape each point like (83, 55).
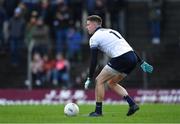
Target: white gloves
(87, 83)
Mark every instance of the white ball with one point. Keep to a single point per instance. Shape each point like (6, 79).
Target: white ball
(71, 109)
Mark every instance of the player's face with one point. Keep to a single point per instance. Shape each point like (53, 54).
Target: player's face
(91, 27)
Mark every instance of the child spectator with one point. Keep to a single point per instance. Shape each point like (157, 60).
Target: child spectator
(37, 69)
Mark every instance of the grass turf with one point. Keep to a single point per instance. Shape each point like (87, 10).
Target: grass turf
(148, 113)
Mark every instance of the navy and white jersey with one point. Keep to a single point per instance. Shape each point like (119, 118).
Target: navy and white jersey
(110, 42)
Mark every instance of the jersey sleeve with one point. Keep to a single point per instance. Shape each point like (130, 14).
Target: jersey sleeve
(93, 43)
(93, 62)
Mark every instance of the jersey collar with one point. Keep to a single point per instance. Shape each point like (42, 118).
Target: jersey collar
(97, 29)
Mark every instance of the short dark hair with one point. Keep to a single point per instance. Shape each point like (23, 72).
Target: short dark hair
(95, 18)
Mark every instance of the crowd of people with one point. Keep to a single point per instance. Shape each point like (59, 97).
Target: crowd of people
(56, 29)
(46, 23)
(45, 70)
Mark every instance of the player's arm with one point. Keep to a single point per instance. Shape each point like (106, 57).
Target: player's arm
(93, 63)
(144, 65)
(140, 60)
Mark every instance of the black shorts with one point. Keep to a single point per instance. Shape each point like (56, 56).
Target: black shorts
(124, 63)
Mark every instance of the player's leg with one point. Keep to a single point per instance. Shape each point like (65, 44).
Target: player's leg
(113, 84)
(121, 91)
(104, 76)
(100, 81)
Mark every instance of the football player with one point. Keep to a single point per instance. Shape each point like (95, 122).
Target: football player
(123, 60)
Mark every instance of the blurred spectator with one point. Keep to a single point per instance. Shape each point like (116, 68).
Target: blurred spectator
(24, 10)
(30, 28)
(61, 25)
(31, 5)
(40, 35)
(37, 69)
(76, 7)
(45, 12)
(155, 17)
(48, 67)
(74, 41)
(16, 35)
(10, 6)
(61, 72)
(44, 4)
(2, 22)
(100, 9)
(116, 8)
(90, 5)
(34, 13)
(38, 8)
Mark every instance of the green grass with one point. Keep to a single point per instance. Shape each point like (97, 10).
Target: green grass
(148, 113)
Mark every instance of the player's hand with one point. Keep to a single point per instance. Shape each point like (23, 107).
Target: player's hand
(146, 67)
(87, 83)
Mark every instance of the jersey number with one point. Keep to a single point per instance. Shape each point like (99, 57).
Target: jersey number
(115, 34)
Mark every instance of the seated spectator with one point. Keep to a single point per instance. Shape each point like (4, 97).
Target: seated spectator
(37, 69)
(61, 72)
(48, 67)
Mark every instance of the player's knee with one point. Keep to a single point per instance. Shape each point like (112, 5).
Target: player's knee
(98, 81)
(111, 84)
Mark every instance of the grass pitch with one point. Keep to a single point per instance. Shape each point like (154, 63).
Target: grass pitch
(148, 113)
